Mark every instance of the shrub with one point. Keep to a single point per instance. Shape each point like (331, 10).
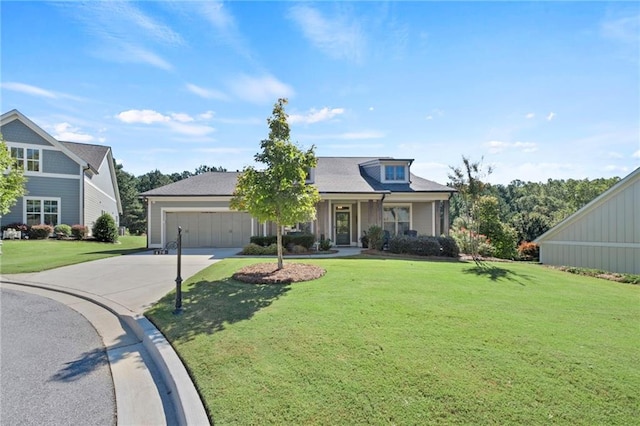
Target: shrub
(426, 246)
(18, 226)
(298, 249)
(376, 237)
(105, 229)
(325, 244)
(400, 244)
(79, 231)
(252, 249)
(448, 246)
(40, 232)
(305, 240)
(470, 242)
(529, 251)
(63, 230)
(270, 249)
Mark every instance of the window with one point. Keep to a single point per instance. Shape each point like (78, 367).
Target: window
(42, 211)
(397, 219)
(394, 173)
(27, 158)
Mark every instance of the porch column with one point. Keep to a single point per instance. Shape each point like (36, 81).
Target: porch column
(358, 218)
(330, 217)
(433, 218)
(445, 217)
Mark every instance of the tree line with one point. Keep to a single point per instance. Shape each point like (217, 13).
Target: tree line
(498, 218)
(134, 215)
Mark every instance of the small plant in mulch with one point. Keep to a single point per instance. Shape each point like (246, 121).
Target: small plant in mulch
(268, 273)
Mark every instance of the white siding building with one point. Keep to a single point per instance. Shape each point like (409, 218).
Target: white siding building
(604, 234)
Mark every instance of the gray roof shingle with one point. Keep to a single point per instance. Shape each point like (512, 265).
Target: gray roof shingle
(332, 175)
(92, 154)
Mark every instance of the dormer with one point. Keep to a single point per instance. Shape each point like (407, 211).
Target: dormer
(311, 176)
(388, 170)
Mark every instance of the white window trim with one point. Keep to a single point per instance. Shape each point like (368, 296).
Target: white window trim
(409, 205)
(25, 160)
(383, 174)
(42, 213)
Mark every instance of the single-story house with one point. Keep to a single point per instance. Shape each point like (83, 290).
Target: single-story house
(604, 234)
(67, 183)
(355, 193)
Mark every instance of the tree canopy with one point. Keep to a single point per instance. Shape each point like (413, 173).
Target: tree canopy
(278, 193)
(12, 179)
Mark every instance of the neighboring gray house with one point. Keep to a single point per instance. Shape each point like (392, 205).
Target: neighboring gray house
(67, 183)
(604, 234)
(355, 193)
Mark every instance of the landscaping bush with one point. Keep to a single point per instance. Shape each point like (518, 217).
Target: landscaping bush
(448, 246)
(425, 246)
(470, 242)
(305, 240)
(79, 231)
(298, 249)
(325, 244)
(271, 250)
(18, 226)
(40, 232)
(529, 251)
(62, 230)
(252, 249)
(105, 229)
(400, 244)
(376, 237)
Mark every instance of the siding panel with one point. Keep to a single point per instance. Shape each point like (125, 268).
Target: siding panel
(16, 131)
(58, 162)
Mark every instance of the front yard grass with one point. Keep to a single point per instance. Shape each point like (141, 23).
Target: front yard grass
(20, 256)
(410, 342)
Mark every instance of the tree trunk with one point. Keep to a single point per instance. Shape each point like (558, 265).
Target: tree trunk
(279, 242)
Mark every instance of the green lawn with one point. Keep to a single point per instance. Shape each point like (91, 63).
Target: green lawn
(38, 255)
(411, 342)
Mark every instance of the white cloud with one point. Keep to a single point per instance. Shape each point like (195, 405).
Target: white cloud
(499, 146)
(180, 123)
(206, 93)
(367, 134)
(315, 116)
(636, 154)
(612, 154)
(29, 90)
(551, 116)
(182, 117)
(124, 32)
(529, 116)
(337, 36)
(623, 29)
(429, 117)
(614, 168)
(260, 89)
(145, 116)
(370, 108)
(206, 115)
(67, 132)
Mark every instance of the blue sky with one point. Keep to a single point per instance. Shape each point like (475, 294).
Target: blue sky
(540, 90)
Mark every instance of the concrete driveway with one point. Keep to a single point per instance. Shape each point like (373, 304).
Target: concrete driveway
(134, 281)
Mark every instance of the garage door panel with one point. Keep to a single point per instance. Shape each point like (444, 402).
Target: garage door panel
(209, 229)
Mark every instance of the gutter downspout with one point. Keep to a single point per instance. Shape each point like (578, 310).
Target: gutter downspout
(82, 194)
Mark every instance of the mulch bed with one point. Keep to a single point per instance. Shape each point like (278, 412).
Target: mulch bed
(268, 273)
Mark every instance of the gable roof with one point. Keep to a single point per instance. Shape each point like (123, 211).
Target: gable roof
(93, 155)
(14, 114)
(332, 175)
(595, 203)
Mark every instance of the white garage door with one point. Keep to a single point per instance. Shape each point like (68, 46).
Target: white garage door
(209, 229)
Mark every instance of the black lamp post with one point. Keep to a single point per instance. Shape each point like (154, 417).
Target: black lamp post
(178, 309)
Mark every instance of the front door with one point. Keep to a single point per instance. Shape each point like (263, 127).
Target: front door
(343, 229)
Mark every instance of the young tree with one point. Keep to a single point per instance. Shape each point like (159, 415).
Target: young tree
(278, 193)
(12, 180)
(133, 214)
(468, 181)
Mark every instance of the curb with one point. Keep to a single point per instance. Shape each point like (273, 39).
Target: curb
(186, 401)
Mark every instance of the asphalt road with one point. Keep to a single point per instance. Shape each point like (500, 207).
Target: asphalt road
(53, 366)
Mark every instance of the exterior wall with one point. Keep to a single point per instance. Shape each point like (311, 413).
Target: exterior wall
(57, 162)
(16, 131)
(606, 236)
(373, 170)
(99, 196)
(68, 190)
(422, 218)
(607, 258)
